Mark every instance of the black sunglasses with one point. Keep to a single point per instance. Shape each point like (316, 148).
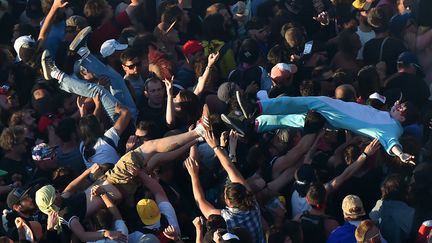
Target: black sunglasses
(133, 65)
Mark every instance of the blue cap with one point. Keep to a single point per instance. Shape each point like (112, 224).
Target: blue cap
(398, 23)
(407, 58)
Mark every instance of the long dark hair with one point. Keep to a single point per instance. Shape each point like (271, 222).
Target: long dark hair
(239, 196)
(90, 132)
(189, 107)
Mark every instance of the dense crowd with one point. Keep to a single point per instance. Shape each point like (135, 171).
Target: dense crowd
(300, 121)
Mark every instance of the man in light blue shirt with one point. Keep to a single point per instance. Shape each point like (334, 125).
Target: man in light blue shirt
(365, 120)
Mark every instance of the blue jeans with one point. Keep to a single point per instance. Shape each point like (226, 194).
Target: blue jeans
(118, 85)
(86, 89)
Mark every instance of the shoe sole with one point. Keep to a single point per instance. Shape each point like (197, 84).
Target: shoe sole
(242, 108)
(228, 121)
(79, 38)
(46, 75)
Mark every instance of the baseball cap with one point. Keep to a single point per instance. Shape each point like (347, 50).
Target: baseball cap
(42, 152)
(226, 91)
(148, 211)
(361, 5)
(407, 58)
(191, 47)
(230, 237)
(249, 51)
(282, 71)
(77, 22)
(379, 97)
(352, 206)
(110, 46)
(304, 176)
(25, 41)
(398, 23)
(15, 196)
(239, 9)
(3, 173)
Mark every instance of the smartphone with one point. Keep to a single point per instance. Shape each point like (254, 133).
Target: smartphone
(308, 48)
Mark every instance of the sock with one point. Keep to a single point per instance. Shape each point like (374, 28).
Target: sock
(83, 52)
(57, 74)
(200, 130)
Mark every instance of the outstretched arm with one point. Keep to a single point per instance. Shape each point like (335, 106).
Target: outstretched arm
(233, 174)
(123, 119)
(206, 208)
(100, 191)
(404, 157)
(77, 182)
(161, 158)
(46, 26)
(170, 111)
(212, 59)
(334, 184)
(292, 156)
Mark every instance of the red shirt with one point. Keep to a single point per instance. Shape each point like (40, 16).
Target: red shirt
(109, 30)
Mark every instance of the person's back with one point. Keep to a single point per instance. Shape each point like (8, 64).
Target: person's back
(391, 49)
(413, 87)
(313, 227)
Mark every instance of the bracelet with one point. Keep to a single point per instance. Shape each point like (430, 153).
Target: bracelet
(364, 155)
(216, 147)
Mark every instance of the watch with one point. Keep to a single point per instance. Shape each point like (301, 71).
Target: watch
(364, 155)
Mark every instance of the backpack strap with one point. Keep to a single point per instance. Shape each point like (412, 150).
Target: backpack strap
(382, 47)
(110, 142)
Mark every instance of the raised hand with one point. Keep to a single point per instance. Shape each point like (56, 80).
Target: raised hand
(407, 158)
(131, 142)
(192, 166)
(52, 220)
(116, 236)
(372, 147)
(59, 4)
(210, 139)
(171, 233)
(323, 18)
(212, 59)
(169, 86)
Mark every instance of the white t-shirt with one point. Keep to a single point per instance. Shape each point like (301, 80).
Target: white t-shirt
(119, 225)
(168, 211)
(105, 153)
(364, 37)
(298, 204)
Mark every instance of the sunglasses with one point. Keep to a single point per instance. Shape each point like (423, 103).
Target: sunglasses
(133, 65)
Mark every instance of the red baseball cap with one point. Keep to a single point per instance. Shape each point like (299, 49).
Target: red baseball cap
(191, 47)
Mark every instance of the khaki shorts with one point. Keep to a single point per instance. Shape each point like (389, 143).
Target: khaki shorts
(120, 177)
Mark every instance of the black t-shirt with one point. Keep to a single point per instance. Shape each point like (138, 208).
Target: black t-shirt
(74, 206)
(391, 50)
(156, 115)
(413, 87)
(14, 167)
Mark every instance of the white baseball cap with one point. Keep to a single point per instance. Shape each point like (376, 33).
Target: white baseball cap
(21, 41)
(110, 46)
(379, 97)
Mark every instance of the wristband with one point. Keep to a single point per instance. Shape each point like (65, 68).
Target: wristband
(364, 155)
(216, 147)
